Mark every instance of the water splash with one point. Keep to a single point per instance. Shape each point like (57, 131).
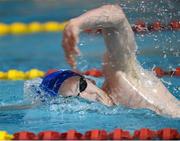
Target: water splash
(78, 105)
(82, 64)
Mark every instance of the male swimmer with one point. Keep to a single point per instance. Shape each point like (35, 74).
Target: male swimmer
(126, 82)
(69, 83)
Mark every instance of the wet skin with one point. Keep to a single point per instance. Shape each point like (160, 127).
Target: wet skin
(126, 82)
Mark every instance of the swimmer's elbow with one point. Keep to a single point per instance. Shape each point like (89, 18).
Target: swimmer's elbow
(104, 17)
(112, 7)
(114, 11)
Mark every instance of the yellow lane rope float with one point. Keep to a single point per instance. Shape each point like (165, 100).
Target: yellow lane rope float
(18, 28)
(5, 136)
(20, 75)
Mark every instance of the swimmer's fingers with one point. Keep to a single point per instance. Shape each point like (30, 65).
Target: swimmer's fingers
(70, 55)
(70, 40)
(71, 60)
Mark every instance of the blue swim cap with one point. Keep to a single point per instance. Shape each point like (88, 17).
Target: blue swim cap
(52, 82)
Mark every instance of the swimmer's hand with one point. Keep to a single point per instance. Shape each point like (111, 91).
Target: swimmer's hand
(69, 42)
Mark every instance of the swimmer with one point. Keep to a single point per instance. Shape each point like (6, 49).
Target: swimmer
(68, 83)
(126, 82)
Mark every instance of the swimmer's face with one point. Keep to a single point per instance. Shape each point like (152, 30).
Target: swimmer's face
(71, 87)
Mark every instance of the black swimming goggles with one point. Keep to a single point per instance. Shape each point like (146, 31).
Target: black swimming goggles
(82, 85)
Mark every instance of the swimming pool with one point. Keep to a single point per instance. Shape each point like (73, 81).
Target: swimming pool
(43, 51)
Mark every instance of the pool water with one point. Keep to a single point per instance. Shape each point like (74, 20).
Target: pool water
(43, 51)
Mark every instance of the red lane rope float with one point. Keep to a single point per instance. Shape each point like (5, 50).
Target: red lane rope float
(168, 134)
(160, 72)
(71, 135)
(24, 135)
(93, 72)
(117, 134)
(145, 134)
(95, 135)
(48, 135)
(155, 26)
(175, 24)
(177, 72)
(141, 26)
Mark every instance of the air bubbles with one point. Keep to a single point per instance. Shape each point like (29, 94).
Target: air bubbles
(142, 35)
(81, 44)
(166, 82)
(170, 67)
(176, 54)
(157, 46)
(164, 56)
(178, 88)
(171, 49)
(155, 39)
(82, 64)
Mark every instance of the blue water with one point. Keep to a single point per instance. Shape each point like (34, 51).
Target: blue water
(43, 51)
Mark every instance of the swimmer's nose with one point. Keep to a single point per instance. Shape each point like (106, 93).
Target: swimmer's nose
(105, 99)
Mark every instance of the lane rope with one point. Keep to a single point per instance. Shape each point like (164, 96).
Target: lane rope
(96, 134)
(14, 74)
(18, 28)
(20, 75)
(160, 72)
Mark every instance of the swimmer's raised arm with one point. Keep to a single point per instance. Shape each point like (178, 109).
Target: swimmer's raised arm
(103, 17)
(126, 82)
(108, 16)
